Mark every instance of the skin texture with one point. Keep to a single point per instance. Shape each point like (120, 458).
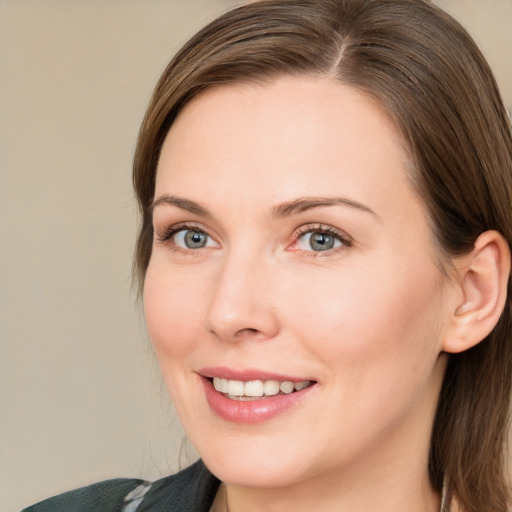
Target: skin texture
(366, 320)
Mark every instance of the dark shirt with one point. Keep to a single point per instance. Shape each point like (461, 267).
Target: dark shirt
(190, 490)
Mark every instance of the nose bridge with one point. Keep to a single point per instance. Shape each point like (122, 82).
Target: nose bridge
(241, 301)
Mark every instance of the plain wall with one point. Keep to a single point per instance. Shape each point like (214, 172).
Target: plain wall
(80, 394)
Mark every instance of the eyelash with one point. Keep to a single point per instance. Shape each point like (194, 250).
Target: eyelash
(167, 235)
(322, 229)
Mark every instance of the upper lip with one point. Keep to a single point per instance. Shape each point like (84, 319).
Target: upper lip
(248, 374)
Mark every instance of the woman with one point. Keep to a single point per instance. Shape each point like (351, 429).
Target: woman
(326, 191)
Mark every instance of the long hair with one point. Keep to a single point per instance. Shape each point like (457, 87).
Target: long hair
(432, 80)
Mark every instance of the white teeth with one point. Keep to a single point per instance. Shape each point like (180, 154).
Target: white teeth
(224, 384)
(236, 387)
(271, 387)
(286, 386)
(257, 388)
(254, 388)
(220, 384)
(301, 385)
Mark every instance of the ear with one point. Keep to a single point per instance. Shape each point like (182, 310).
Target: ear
(482, 277)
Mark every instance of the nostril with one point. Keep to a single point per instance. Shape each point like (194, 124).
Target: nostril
(248, 331)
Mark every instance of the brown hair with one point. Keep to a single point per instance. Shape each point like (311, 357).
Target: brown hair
(432, 80)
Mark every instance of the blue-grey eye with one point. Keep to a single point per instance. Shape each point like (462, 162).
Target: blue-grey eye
(318, 241)
(192, 239)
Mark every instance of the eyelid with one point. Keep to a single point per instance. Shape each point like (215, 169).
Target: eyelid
(166, 232)
(344, 238)
(165, 236)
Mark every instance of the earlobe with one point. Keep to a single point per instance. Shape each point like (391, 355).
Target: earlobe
(483, 278)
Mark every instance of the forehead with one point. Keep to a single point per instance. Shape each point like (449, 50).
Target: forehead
(282, 139)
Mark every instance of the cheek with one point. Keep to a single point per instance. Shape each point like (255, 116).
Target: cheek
(376, 339)
(173, 312)
(369, 314)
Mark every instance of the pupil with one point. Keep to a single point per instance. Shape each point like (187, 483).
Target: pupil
(195, 239)
(321, 242)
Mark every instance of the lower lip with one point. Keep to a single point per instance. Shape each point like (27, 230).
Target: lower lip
(251, 411)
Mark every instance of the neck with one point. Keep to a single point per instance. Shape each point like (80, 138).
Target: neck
(392, 477)
(330, 498)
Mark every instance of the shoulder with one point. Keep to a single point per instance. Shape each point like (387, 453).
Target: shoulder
(107, 496)
(193, 488)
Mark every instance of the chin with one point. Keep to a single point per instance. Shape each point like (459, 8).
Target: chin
(257, 473)
(256, 462)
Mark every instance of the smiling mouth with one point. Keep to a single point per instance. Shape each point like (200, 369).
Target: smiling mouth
(257, 389)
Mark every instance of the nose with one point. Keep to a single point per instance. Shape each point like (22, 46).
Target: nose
(241, 305)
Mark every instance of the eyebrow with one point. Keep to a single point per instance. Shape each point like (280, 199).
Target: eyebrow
(307, 203)
(283, 210)
(180, 202)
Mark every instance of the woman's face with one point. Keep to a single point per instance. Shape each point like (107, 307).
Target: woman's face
(290, 248)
